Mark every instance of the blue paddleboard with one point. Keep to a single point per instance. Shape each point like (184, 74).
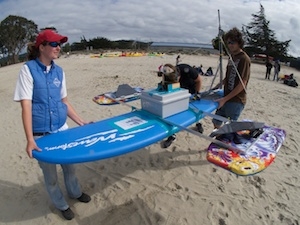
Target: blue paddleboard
(115, 136)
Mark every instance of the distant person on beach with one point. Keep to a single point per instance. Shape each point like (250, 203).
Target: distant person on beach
(209, 72)
(199, 69)
(177, 60)
(236, 79)
(276, 70)
(41, 90)
(188, 78)
(268, 69)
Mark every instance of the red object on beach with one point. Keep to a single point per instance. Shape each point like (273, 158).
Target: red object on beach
(262, 57)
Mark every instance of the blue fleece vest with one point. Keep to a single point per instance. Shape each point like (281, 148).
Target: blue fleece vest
(49, 113)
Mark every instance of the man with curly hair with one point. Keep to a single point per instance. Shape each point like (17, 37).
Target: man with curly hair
(236, 79)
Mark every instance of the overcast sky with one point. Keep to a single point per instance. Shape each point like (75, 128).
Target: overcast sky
(188, 21)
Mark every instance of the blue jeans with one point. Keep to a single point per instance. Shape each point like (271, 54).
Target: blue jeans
(230, 110)
(52, 186)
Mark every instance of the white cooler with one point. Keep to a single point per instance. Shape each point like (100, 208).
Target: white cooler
(164, 103)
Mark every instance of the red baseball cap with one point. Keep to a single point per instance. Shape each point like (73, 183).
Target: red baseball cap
(49, 36)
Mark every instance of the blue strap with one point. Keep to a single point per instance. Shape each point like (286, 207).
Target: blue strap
(167, 126)
(198, 113)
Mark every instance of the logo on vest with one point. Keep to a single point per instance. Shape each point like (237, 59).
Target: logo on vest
(56, 82)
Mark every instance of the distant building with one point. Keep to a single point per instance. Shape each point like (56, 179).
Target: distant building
(173, 46)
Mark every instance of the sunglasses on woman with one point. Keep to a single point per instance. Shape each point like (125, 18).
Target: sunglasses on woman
(54, 44)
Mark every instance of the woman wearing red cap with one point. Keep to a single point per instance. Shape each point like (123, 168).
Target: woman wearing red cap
(41, 90)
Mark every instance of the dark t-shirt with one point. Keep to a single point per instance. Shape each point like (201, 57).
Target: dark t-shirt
(269, 65)
(242, 63)
(188, 75)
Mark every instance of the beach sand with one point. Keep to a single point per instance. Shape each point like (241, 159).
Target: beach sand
(173, 186)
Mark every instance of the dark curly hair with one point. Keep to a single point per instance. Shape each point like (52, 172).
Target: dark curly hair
(235, 35)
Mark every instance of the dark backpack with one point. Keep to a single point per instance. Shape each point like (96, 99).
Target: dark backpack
(291, 82)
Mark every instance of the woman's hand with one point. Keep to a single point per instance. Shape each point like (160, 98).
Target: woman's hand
(82, 123)
(31, 145)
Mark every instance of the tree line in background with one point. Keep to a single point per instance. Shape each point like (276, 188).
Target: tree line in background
(104, 43)
(16, 32)
(260, 39)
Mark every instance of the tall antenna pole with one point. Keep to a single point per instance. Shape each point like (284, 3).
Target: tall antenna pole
(220, 50)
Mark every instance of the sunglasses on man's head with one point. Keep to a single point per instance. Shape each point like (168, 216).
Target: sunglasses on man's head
(54, 44)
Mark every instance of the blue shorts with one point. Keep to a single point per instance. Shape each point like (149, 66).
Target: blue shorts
(230, 110)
